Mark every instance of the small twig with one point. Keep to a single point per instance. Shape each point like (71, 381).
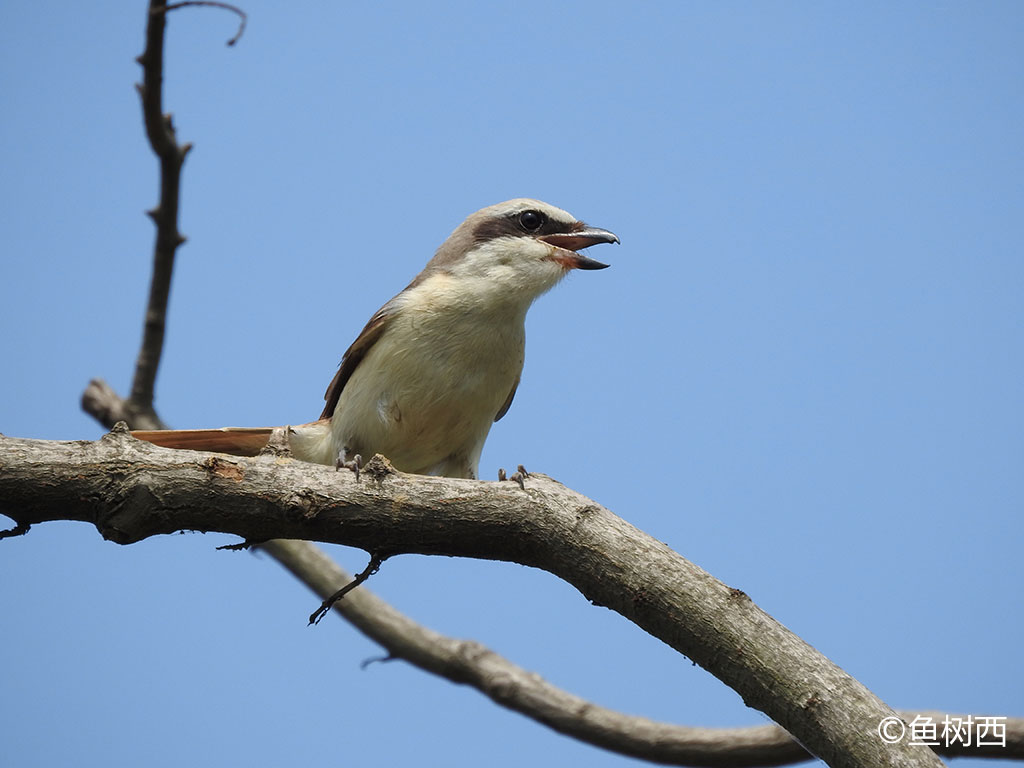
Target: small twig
(367, 572)
(377, 660)
(20, 529)
(211, 3)
(101, 402)
(241, 546)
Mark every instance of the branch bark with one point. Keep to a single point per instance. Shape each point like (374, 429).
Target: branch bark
(470, 663)
(132, 490)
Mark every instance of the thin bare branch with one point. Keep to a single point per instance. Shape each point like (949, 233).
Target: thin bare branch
(160, 130)
(213, 4)
(101, 402)
(18, 530)
(508, 685)
(97, 400)
(371, 568)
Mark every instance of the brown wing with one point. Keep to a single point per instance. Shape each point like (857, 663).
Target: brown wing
(353, 356)
(508, 402)
(240, 441)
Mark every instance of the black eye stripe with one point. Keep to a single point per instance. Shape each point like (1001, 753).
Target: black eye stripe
(510, 225)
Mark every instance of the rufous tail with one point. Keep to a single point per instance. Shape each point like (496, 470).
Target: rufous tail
(239, 441)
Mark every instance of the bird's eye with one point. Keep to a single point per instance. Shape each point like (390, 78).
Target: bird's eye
(531, 221)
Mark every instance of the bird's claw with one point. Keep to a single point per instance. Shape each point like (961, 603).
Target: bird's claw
(518, 476)
(355, 464)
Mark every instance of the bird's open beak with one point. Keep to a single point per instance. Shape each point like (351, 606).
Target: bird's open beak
(578, 240)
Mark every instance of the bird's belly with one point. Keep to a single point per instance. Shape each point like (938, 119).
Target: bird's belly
(420, 410)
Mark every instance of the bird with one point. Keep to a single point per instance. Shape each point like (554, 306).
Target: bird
(440, 362)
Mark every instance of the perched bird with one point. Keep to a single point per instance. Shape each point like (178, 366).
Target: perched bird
(440, 362)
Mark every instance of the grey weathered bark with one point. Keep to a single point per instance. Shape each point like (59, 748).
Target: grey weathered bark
(131, 490)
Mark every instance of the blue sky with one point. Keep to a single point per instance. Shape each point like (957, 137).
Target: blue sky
(803, 370)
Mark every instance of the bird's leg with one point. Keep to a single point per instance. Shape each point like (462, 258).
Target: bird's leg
(355, 463)
(518, 476)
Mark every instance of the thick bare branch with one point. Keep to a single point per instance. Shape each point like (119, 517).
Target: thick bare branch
(131, 490)
(511, 686)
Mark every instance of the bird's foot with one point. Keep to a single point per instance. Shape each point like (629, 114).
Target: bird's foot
(518, 476)
(355, 464)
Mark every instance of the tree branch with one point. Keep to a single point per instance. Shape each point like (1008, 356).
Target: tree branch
(459, 661)
(101, 402)
(470, 663)
(160, 131)
(131, 490)
(242, 18)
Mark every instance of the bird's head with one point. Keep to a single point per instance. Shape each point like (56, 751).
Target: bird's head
(521, 248)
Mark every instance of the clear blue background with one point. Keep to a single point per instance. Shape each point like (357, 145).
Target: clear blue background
(803, 370)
